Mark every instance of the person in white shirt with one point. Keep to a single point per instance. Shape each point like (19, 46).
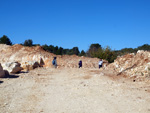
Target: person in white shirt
(100, 63)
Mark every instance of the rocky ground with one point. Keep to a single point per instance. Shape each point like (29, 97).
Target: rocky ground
(65, 90)
(119, 87)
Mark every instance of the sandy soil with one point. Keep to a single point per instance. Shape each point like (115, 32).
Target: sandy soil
(72, 91)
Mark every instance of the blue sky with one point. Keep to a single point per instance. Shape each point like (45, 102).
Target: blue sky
(69, 23)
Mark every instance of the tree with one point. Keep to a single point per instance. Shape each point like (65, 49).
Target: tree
(82, 53)
(5, 40)
(66, 51)
(75, 50)
(144, 47)
(28, 42)
(109, 55)
(45, 47)
(97, 51)
(95, 46)
(94, 50)
(60, 51)
(55, 50)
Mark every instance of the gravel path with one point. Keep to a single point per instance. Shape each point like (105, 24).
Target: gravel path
(72, 91)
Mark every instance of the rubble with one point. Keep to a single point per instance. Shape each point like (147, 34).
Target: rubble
(12, 67)
(30, 65)
(135, 66)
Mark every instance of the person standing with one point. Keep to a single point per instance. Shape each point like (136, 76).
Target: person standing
(100, 63)
(80, 63)
(54, 62)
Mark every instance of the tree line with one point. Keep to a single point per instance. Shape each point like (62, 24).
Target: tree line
(50, 48)
(95, 50)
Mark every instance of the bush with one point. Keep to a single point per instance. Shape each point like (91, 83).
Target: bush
(97, 51)
(28, 42)
(5, 40)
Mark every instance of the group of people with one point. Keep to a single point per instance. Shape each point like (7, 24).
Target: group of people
(54, 62)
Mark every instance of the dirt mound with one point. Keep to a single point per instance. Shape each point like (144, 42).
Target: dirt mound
(135, 66)
(21, 54)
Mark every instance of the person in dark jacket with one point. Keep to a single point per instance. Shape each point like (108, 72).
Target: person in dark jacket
(80, 63)
(54, 62)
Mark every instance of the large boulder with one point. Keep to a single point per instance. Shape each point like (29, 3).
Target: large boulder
(2, 72)
(30, 65)
(12, 67)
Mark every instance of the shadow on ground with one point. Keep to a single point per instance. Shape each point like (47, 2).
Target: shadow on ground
(11, 76)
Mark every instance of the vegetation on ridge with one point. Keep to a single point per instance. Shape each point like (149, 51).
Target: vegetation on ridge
(95, 50)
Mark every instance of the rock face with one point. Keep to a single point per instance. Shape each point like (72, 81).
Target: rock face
(21, 54)
(12, 67)
(2, 72)
(30, 65)
(135, 66)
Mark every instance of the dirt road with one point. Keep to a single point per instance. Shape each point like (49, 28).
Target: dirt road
(72, 91)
